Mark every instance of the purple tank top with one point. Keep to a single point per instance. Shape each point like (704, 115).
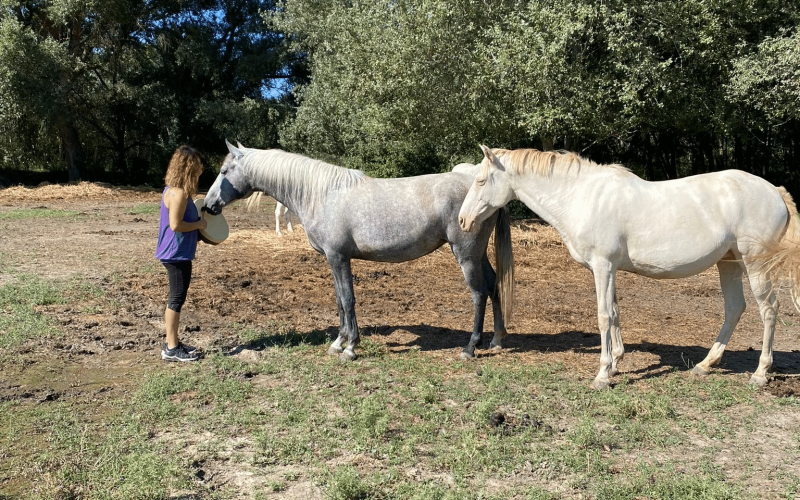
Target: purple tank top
(172, 246)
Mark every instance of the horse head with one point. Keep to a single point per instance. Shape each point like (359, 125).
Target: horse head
(490, 191)
(232, 182)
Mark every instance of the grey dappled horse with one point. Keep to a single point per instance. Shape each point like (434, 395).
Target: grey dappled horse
(349, 215)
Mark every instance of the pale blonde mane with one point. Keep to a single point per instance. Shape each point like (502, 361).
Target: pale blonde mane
(546, 163)
(297, 177)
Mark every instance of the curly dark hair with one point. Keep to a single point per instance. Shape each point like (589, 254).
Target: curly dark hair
(184, 170)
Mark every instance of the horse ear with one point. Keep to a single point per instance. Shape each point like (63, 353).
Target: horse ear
(239, 145)
(236, 152)
(493, 160)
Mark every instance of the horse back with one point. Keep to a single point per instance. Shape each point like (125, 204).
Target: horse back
(391, 220)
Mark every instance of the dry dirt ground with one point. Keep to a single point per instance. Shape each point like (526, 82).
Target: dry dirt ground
(256, 277)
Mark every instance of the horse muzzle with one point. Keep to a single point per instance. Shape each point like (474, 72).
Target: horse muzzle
(466, 223)
(212, 211)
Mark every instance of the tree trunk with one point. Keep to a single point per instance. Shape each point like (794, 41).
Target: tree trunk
(738, 154)
(72, 149)
(708, 152)
(548, 143)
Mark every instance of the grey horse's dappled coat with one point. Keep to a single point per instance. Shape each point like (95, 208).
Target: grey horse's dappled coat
(349, 215)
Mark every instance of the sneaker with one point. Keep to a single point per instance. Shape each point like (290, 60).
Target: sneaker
(188, 348)
(178, 354)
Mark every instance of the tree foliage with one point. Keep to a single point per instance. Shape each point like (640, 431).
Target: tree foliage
(118, 84)
(668, 87)
(402, 87)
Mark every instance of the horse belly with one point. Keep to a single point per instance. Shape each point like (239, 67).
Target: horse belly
(674, 260)
(386, 238)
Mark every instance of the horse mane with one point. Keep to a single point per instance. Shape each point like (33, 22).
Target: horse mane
(545, 163)
(294, 176)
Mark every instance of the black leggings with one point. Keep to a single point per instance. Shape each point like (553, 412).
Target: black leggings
(180, 275)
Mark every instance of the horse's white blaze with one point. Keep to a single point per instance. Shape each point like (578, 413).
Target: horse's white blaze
(611, 220)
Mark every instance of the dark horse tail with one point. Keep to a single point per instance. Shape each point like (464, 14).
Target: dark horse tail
(504, 262)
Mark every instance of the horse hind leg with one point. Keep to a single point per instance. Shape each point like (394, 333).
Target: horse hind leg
(730, 279)
(490, 279)
(617, 347)
(761, 284)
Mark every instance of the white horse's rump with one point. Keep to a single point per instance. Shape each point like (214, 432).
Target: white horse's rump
(612, 220)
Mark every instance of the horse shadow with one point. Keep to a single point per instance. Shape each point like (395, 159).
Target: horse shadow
(668, 355)
(290, 338)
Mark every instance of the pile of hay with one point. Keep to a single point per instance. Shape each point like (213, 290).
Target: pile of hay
(78, 191)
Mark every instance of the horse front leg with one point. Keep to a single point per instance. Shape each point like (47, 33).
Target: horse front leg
(605, 286)
(479, 305)
(278, 218)
(473, 275)
(346, 302)
(336, 347)
(288, 217)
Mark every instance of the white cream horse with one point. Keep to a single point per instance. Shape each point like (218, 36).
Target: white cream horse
(612, 220)
(278, 207)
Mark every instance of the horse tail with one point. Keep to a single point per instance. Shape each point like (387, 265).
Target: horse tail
(781, 257)
(504, 262)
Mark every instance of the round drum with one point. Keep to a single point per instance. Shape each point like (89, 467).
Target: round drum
(217, 230)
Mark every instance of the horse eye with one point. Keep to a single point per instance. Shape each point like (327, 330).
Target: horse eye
(480, 182)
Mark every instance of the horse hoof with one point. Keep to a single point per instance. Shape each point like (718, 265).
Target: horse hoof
(335, 351)
(613, 371)
(758, 381)
(599, 385)
(347, 355)
(495, 346)
(700, 371)
(465, 356)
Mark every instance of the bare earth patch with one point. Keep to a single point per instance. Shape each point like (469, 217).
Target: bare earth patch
(256, 278)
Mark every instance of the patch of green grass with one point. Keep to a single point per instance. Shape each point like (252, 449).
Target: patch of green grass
(80, 458)
(346, 484)
(146, 209)
(19, 319)
(21, 298)
(37, 213)
(396, 425)
(666, 482)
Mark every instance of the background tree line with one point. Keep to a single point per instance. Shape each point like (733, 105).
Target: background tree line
(401, 87)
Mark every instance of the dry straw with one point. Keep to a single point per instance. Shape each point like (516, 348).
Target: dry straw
(77, 191)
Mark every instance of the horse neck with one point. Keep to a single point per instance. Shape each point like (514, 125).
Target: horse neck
(552, 197)
(297, 190)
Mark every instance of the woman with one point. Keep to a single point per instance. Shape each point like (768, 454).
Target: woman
(177, 243)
